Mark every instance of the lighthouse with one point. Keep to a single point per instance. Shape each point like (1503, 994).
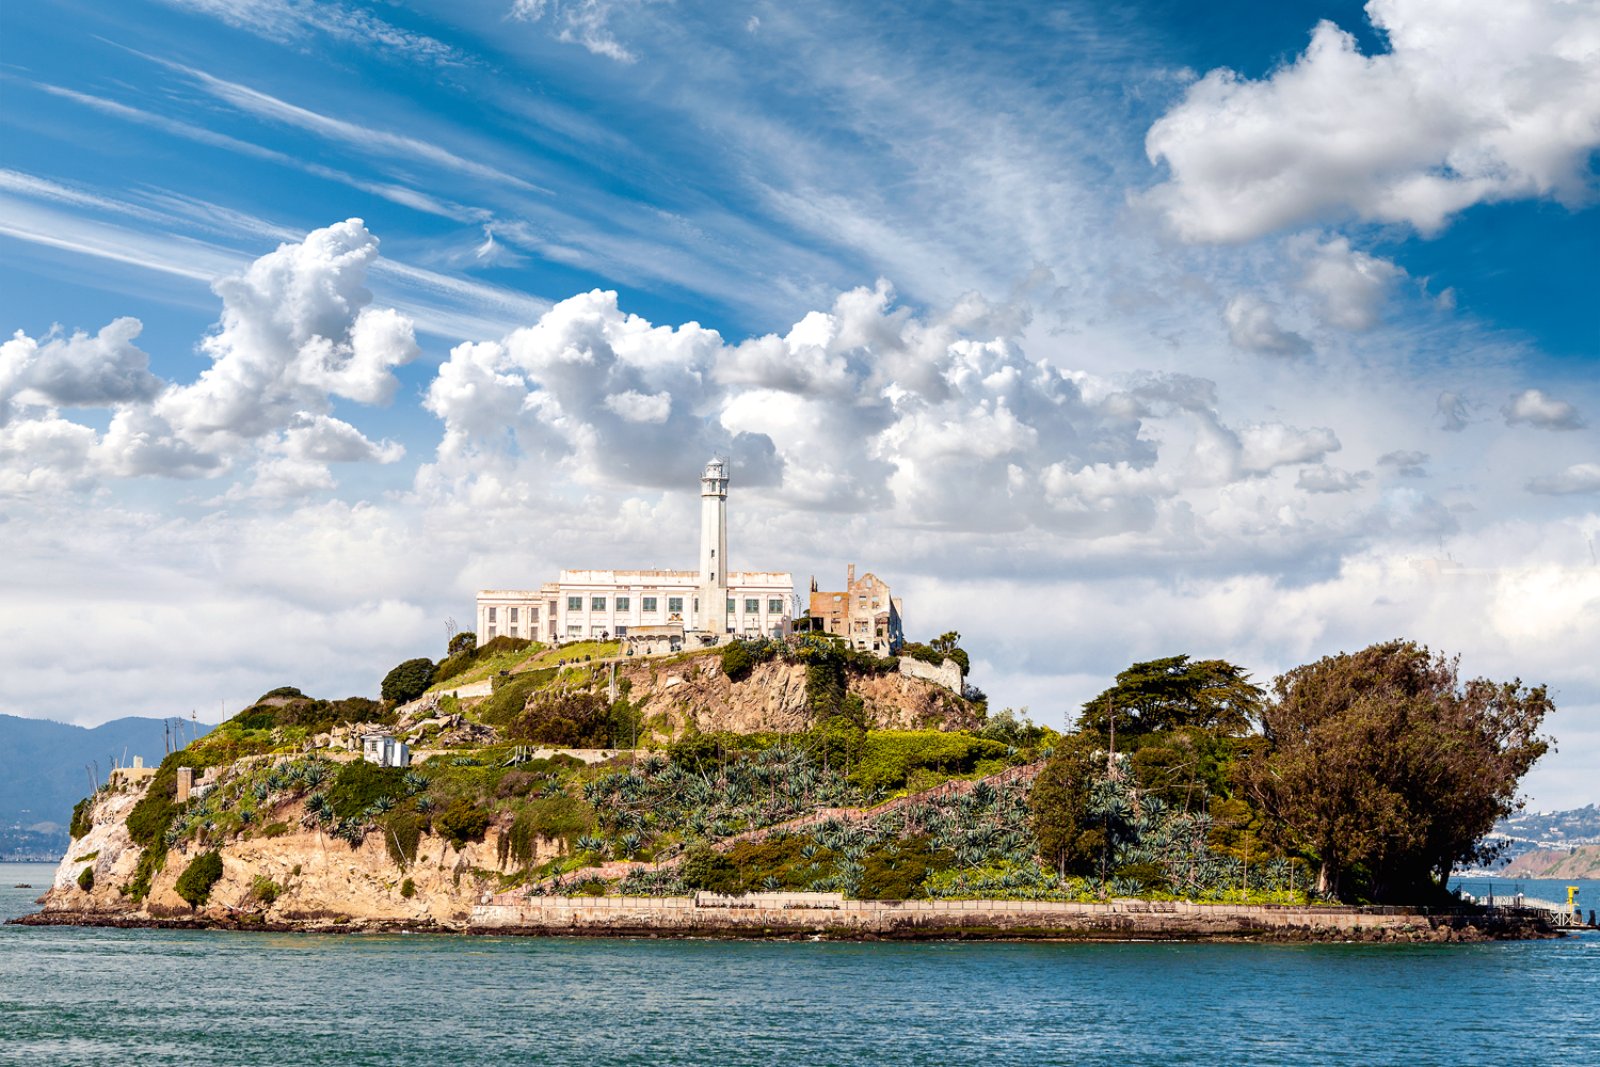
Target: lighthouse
(714, 547)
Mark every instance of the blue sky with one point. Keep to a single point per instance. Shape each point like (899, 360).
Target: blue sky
(1102, 333)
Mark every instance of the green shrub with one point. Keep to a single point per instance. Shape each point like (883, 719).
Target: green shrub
(275, 829)
(80, 817)
(86, 878)
(408, 889)
(402, 833)
(281, 691)
(359, 784)
(505, 704)
(897, 870)
(705, 868)
(462, 822)
(888, 757)
(194, 884)
(452, 665)
(737, 661)
(579, 719)
(465, 641)
(408, 681)
(265, 889)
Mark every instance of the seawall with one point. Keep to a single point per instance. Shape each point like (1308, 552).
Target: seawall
(830, 915)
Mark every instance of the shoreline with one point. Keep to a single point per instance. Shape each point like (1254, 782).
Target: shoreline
(685, 918)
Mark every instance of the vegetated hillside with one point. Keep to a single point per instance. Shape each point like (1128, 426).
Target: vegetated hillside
(1579, 862)
(822, 786)
(42, 771)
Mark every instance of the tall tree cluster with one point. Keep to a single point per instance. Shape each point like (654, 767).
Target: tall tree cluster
(1391, 771)
(1382, 768)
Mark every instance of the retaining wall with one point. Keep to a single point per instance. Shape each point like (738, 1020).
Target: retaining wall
(768, 914)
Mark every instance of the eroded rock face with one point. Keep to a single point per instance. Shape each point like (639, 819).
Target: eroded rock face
(107, 850)
(773, 697)
(314, 875)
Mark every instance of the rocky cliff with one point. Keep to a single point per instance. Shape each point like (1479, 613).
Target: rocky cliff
(773, 697)
(315, 878)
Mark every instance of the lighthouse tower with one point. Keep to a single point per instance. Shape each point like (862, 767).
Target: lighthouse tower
(714, 547)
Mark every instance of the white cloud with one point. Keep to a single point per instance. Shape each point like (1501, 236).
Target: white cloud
(1407, 463)
(1454, 411)
(1532, 407)
(1474, 102)
(1326, 479)
(1350, 286)
(289, 20)
(1253, 327)
(581, 22)
(635, 406)
(323, 439)
(1578, 478)
(1268, 445)
(76, 371)
(295, 330)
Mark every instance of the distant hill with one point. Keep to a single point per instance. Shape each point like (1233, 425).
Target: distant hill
(1580, 862)
(42, 773)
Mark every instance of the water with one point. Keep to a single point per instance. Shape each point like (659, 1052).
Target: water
(149, 997)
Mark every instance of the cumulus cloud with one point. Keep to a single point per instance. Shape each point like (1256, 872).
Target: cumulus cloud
(617, 400)
(295, 330)
(1407, 463)
(1532, 407)
(1474, 102)
(1350, 286)
(1326, 479)
(1253, 327)
(1454, 412)
(1268, 445)
(1578, 478)
(77, 371)
(296, 333)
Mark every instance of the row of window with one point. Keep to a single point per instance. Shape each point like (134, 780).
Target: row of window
(512, 614)
(648, 605)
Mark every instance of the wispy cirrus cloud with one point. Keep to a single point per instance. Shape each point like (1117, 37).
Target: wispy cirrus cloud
(298, 20)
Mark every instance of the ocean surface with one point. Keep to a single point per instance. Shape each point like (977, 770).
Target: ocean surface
(147, 997)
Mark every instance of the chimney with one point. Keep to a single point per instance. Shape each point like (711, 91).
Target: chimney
(850, 581)
(185, 783)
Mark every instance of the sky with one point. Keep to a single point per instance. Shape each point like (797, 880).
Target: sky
(1260, 331)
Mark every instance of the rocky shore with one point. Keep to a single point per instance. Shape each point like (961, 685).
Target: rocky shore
(831, 917)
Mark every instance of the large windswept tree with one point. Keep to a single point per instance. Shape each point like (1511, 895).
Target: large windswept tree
(1389, 770)
(1166, 694)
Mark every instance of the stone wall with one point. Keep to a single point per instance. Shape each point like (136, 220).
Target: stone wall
(947, 674)
(804, 914)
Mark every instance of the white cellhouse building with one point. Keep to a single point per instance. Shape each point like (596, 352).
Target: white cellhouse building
(584, 604)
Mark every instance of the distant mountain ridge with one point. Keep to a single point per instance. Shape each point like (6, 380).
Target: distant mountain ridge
(42, 773)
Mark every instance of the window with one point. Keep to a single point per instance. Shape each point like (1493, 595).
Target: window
(647, 603)
(491, 615)
(574, 631)
(597, 603)
(675, 605)
(752, 606)
(730, 605)
(491, 633)
(513, 616)
(837, 599)
(774, 606)
(533, 613)
(622, 603)
(574, 603)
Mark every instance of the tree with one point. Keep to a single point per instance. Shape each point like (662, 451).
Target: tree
(1165, 694)
(1389, 770)
(465, 641)
(949, 644)
(1060, 799)
(408, 681)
